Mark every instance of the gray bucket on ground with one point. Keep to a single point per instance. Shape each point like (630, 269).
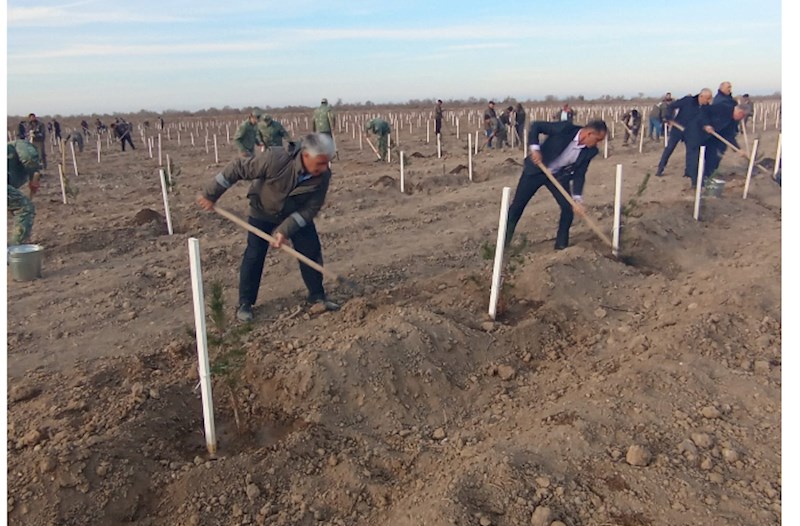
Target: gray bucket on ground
(25, 262)
(715, 188)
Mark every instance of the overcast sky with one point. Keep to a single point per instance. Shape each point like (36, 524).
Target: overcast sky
(90, 56)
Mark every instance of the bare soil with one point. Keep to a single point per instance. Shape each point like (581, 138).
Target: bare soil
(639, 391)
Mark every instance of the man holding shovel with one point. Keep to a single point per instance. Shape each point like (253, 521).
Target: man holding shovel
(288, 189)
(566, 154)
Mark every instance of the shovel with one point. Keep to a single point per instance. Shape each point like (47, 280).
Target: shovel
(572, 202)
(728, 144)
(286, 248)
(373, 148)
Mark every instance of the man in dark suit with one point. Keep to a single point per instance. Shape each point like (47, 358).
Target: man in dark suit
(566, 153)
(688, 109)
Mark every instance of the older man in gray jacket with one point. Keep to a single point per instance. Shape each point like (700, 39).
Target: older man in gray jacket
(288, 189)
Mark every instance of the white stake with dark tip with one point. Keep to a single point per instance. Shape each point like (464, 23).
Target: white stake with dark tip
(204, 369)
(698, 193)
(617, 212)
(750, 168)
(497, 272)
(74, 161)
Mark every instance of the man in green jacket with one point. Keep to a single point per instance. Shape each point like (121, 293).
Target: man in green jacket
(246, 137)
(324, 119)
(271, 132)
(23, 167)
(382, 129)
(287, 191)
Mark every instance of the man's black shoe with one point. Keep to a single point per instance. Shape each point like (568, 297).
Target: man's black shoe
(560, 246)
(245, 313)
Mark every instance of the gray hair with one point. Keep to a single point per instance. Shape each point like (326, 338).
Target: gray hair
(706, 91)
(319, 144)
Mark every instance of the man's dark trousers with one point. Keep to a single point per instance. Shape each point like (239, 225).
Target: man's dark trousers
(530, 181)
(305, 241)
(675, 136)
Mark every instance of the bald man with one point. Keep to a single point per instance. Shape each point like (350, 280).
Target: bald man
(682, 111)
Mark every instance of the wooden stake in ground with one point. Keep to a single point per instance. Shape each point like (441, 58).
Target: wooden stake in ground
(202, 345)
(750, 169)
(166, 199)
(216, 150)
(63, 186)
(575, 206)
(402, 175)
(777, 159)
(469, 154)
(497, 272)
(699, 190)
(74, 161)
(617, 212)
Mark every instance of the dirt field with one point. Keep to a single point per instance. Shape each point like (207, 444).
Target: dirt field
(607, 393)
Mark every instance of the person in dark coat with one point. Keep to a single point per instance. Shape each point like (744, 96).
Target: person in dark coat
(682, 111)
(566, 153)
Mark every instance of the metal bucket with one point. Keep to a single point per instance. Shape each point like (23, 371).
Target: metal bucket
(25, 262)
(715, 187)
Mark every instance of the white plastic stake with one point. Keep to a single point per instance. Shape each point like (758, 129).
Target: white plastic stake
(74, 161)
(166, 200)
(216, 150)
(697, 196)
(469, 153)
(179, 136)
(402, 175)
(750, 168)
(63, 188)
(159, 149)
(666, 133)
(439, 145)
(360, 141)
(525, 139)
(605, 148)
(777, 159)
(497, 273)
(228, 133)
(476, 142)
(458, 124)
(641, 137)
(389, 148)
(98, 149)
(617, 212)
(150, 146)
(202, 345)
(169, 172)
(428, 132)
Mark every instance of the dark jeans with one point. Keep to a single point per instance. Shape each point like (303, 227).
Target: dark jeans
(655, 124)
(675, 136)
(437, 126)
(127, 138)
(305, 241)
(715, 149)
(521, 132)
(530, 181)
(692, 164)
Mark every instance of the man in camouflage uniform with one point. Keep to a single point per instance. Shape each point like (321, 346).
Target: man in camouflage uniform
(36, 134)
(23, 167)
(382, 129)
(246, 137)
(324, 119)
(271, 132)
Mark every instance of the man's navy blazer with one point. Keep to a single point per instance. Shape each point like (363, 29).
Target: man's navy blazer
(559, 136)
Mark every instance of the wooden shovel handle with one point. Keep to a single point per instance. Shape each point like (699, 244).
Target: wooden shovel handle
(286, 248)
(372, 146)
(572, 202)
(727, 143)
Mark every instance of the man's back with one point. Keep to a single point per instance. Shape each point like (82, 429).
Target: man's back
(323, 119)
